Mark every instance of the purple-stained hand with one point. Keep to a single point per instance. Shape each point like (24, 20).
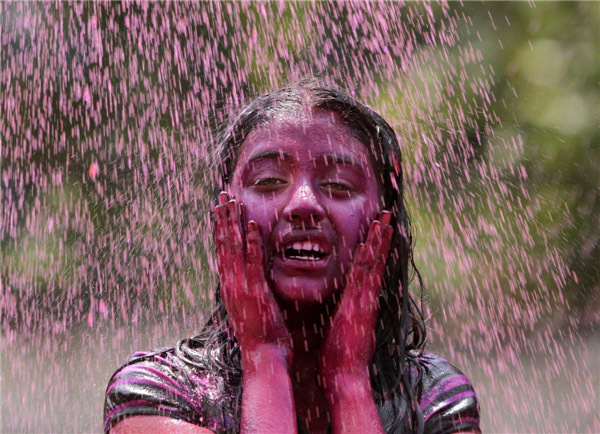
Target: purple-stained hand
(254, 313)
(349, 344)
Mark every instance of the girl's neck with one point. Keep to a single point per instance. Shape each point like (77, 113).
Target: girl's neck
(307, 325)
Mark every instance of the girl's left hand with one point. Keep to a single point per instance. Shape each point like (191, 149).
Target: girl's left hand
(348, 346)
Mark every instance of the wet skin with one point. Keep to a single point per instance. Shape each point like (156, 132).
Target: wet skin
(308, 181)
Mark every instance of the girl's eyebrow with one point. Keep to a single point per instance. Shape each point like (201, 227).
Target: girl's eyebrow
(325, 158)
(343, 160)
(271, 155)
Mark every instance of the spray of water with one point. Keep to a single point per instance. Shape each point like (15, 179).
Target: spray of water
(109, 116)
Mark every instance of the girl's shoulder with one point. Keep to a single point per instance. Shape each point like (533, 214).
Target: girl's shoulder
(167, 383)
(448, 401)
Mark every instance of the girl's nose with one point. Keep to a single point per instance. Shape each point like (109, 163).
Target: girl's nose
(304, 206)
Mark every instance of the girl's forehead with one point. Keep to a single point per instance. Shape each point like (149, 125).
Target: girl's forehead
(303, 120)
(310, 133)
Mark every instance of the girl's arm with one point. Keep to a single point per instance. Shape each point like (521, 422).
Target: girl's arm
(352, 407)
(156, 425)
(267, 397)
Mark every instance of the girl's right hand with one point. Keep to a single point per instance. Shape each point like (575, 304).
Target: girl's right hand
(257, 322)
(254, 314)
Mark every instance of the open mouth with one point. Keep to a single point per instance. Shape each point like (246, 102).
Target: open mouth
(304, 251)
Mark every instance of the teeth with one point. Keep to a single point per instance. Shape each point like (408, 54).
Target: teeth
(307, 258)
(305, 251)
(306, 245)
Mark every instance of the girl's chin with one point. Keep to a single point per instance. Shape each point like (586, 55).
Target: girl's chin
(303, 291)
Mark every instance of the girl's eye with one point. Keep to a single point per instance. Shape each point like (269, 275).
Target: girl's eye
(268, 182)
(337, 189)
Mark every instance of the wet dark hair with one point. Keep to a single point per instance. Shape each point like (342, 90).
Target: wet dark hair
(397, 369)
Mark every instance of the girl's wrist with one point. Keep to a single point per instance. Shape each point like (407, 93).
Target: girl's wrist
(264, 356)
(352, 405)
(346, 385)
(267, 393)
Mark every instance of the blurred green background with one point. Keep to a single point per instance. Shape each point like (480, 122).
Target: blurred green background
(108, 116)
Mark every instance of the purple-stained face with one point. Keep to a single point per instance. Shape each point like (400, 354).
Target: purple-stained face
(310, 186)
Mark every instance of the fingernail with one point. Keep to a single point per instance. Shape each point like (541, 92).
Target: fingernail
(361, 249)
(386, 217)
(223, 197)
(251, 226)
(361, 254)
(231, 205)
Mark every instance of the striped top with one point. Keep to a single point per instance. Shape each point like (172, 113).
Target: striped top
(162, 383)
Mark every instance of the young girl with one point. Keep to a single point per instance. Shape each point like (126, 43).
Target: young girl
(315, 329)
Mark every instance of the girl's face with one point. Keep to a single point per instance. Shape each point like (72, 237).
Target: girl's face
(310, 186)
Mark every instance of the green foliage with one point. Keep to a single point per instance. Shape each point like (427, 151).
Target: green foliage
(545, 145)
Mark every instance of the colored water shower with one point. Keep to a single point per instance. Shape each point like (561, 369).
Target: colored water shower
(109, 113)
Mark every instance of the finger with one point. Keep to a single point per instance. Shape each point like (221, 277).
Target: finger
(221, 242)
(220, 212)
(386, 238)
(383, 253)
(254, 248)
(358, 261)
(354, 283)
(236, 242)
(383, 247)
(386, 243)
(378, 242)
(223, 198)
(221, 230)
(255, 270)
(379, 239)
(372, 242)
(385, 217)
(376, 275)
